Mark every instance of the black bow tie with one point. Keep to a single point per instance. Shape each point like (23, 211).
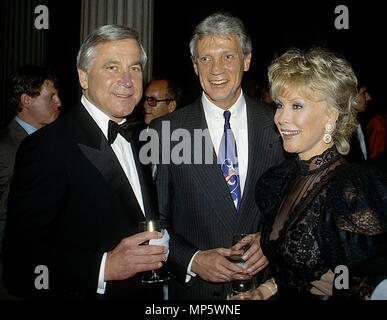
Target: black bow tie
(126, 129)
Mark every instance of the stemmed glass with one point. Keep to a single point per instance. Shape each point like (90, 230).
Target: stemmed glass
(241, 288)
(153, 225)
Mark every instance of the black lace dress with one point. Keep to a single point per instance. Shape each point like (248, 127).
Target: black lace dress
(324, 227)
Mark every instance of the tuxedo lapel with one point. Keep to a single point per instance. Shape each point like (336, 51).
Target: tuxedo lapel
(98, 151)
(148, 188)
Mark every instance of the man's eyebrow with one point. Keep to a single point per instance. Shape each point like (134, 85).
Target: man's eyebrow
(111, 62)
(138, 62)
(119, 62)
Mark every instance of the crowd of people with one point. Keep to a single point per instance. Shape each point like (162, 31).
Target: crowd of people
(294, 167)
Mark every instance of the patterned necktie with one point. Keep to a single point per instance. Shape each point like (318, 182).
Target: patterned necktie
(228, 159)
(127, 130)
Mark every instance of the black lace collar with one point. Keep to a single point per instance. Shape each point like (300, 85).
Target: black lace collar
(319, 162)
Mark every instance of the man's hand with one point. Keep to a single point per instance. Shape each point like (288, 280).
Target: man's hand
(130, 257)
(213, 265)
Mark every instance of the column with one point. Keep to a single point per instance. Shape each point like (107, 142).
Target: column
(136, 14)
(21, 44)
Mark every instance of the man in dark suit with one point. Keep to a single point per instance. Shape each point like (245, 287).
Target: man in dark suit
(78, 190)
(203, 211)
(359, 148)
(35, 100)
(161, 96)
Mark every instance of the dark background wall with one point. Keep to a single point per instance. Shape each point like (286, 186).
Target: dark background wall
(274, 26)
(21, 43)
(63, 45)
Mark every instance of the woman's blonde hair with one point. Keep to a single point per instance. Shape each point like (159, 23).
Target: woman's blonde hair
(325, 72)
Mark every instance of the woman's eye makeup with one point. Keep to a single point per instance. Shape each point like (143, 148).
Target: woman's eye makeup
(294, 105)
(279, 104)
(297, 106)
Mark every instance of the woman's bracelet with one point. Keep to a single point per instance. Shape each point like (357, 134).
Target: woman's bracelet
(268, 287)
(273, 292)
(260, 294)
(273, 282)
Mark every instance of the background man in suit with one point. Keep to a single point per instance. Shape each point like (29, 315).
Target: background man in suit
(359, 148)
(35, 100)
(161, 96)
(202, 211)
(79, 192)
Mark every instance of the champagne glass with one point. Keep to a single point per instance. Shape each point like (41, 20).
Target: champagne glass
(157, 276)
(240, 288)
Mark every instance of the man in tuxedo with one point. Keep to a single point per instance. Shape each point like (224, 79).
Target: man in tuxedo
(203, 211)
(78, 190)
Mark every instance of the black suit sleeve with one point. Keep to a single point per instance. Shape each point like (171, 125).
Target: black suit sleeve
(38, 198)
(5, 173)
(181, 251)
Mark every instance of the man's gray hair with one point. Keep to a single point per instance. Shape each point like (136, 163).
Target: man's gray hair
(111, 32)
(221, 24)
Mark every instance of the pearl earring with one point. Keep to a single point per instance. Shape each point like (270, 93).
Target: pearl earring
(327, 136)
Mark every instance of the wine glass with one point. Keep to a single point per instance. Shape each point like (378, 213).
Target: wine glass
(241, 288)
(157, 276)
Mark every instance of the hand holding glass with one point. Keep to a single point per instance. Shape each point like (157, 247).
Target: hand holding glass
(153, 225)
(241, 243)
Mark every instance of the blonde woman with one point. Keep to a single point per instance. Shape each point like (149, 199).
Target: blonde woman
(324, 220)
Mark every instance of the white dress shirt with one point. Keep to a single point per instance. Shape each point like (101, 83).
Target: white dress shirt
(238, 124)
(123, 151)
(360, 135)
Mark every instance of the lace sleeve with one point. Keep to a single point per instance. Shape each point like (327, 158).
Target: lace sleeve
(359, 201)
(353, 228)
(363, 220)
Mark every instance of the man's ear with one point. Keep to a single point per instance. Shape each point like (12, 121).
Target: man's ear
(246, 62)
(83, 79)
(25, 100)
(172, 106)
(194, 65)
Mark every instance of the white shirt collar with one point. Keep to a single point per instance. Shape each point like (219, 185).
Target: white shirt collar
(99, 117)
(120, 147)
(214, 111)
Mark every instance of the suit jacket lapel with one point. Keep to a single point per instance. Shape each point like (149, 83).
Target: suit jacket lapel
(259, 148)
(96, 148)
(148, 187)
(210, 176)
(17, 131)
